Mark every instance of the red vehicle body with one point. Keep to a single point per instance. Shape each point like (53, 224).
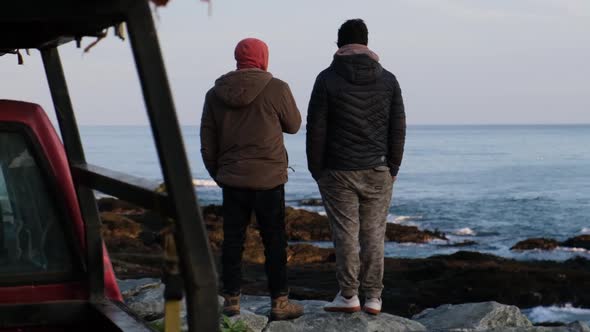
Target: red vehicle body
(33, 119)
(55, 274)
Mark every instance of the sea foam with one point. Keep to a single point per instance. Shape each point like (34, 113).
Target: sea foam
(204, 183)
(565, 314)
(465, 232)
(402, 219)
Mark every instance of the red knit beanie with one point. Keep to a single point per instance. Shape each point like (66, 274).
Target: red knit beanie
(251, 53)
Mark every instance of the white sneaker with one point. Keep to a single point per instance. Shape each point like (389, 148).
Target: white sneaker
(373, 306)
(342, 304)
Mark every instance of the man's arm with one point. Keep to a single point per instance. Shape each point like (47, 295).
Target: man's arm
(289, 113)
(209, 146)
(317, 127)
(397, 130)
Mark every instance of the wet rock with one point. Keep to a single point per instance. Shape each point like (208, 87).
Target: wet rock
(411, 234)
(252, 321)
(115, 205)
(302, 225)
(130, 287)
(536, 243)
(147, 301)
(582, 241)
(473, 316)
(308, 254)
(115, 225)
(316, 319)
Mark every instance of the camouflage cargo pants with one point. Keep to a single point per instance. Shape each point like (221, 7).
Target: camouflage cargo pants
(357, 204)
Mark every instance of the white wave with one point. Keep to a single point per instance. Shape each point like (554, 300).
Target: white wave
(204, 183)
(465, 232)
(585, 230)
(574, 249)
(565, 314)
(402, 219)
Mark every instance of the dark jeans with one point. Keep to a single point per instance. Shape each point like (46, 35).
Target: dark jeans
(269, 207)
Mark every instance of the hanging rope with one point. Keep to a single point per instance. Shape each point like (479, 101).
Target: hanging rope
(100, 37)
(19, 56)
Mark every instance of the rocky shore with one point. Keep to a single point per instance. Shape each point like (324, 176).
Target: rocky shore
(144, 297)
(133, 237)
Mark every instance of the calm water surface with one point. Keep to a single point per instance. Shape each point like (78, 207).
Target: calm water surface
(494, 185)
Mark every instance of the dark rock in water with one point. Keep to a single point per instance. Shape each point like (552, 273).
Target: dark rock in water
(311, 202)
(411, 234)
(582, 241)
(537, 243)
(466, 243)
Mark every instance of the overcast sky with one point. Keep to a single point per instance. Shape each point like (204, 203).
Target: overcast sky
(458, 61)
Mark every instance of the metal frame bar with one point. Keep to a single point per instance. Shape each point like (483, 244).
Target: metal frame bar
(129, 188)
(196, 261)
(75, 152)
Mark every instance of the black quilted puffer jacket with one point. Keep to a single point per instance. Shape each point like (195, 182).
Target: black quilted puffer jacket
(356, 118)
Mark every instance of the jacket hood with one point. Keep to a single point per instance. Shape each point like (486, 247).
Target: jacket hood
(357, 68)
(251, 53)
(239, 88)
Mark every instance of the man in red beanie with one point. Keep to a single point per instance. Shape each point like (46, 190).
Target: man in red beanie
(244, 118)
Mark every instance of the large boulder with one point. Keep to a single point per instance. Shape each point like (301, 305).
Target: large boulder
(339, 322)
(581, 241)
(316, 319)
(473, 317)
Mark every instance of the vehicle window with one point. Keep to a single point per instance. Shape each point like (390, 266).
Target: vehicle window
(32, 237)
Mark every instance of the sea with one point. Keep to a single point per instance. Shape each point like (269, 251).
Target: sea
(494, 185)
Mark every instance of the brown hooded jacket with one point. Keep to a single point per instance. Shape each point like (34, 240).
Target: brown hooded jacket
(244, 117)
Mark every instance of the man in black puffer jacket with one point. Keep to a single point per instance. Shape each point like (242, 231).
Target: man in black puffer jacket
(356, 128)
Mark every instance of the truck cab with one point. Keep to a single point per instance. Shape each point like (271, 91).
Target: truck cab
(42, 235)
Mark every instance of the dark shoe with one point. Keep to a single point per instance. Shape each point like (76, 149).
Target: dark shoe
(283, 309)
(231, 305)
